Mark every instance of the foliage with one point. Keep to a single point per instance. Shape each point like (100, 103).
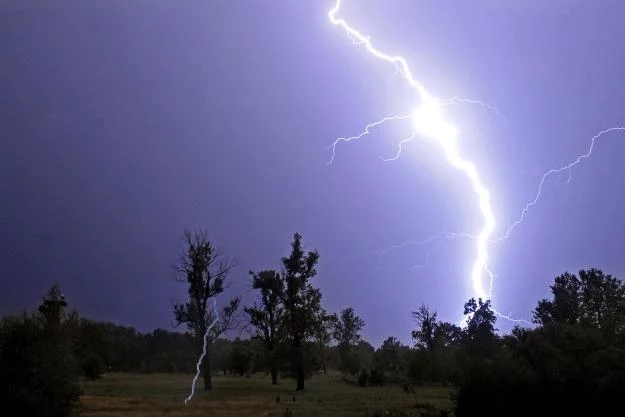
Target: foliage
(591, 298)
(377, 378)
(304, 316)
(267, 317)
(573, 364)
(346, 331)
(38, 371)
(363, 378)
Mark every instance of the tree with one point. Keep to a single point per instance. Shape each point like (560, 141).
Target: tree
(565, 306)
(346, 331)
(447, 335)
(480, 331)
(392, 358)
(39, 375)
(347, 328)
(323, 339)
(267, 317)
(593, 299)
(424, 336)
(302, 306)
(204, 270)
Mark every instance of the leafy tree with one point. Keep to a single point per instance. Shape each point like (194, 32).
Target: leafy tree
(204, 270)
(592, 299)
(480, 331)
(347, 328)
(447, 335)
(38, 371)
(267, 317)
(565, 306)
(346, 331)
(302, 306)
(391, 358)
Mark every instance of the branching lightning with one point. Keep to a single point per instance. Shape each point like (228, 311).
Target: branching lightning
(204, 347)
(554, 171)
(428, 121)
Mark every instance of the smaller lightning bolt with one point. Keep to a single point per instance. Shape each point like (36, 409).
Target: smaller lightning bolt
(568, 167)
(204, 347)
(365, 132)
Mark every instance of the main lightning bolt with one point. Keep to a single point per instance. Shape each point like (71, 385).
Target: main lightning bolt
(428, 121)
(204, 347)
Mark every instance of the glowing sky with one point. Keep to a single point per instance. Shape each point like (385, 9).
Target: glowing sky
(122, 123)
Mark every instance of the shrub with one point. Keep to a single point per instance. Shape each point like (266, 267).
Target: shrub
(38, 374)
(377, 378)
(363, 377)
(92, 367)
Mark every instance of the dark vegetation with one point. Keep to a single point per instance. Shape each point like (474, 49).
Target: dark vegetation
(571, 363)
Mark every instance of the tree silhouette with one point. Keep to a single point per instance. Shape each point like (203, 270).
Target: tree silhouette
(302, 305)
(267, 317)
(204, 270)
(346, 331)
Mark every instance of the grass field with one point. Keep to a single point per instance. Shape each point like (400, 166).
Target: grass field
(325, 395)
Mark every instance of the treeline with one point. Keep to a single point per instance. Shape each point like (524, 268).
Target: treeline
(570, 363)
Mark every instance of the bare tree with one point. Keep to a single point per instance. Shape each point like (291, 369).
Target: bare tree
(427, 324)
(204, 269)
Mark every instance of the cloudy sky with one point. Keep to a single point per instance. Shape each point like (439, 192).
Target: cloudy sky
(124, 122)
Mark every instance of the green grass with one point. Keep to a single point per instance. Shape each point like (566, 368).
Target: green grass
(325, 395)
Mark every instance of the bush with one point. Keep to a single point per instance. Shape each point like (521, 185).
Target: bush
(92, 367)
(363, 377)
(377, 378)
(38, 373)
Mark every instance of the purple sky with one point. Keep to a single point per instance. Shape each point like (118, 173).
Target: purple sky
(124, 122)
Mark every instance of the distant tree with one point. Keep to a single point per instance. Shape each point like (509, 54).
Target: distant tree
(347, 328)
(323, 339)
(447, 335)
(427, 325)
(302, 306)
(267, 317)
(592, 299)
(242, 356)
(53, 307)
(392, 359)
(204, 270)
(38, 371)
(346, 332)
(365, 354)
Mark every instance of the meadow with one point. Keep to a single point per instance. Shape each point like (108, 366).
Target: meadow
(154, 395)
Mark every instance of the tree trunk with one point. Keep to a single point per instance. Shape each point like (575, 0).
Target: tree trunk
(300, 380)
(207, 372)
(299, 369)
(274, 376)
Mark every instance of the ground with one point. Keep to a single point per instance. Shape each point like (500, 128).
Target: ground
(325, 396)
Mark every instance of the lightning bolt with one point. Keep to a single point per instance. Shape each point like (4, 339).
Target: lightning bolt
(428, 121)
(204, 347)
